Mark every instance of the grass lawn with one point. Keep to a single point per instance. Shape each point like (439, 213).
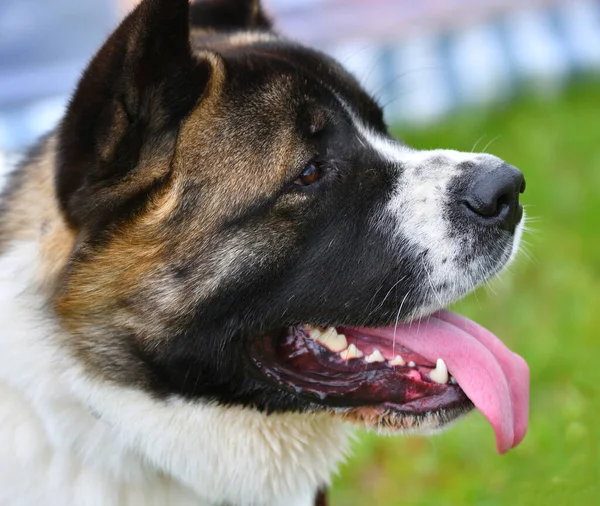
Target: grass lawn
(547, 308)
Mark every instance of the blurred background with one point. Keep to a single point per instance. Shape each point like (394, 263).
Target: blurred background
(518, 78)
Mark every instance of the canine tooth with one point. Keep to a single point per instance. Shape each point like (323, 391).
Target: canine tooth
(332, 340)
(398, 360)
(351, 352)
(411, 364)
(314, 333)
(376, 356)
(440, 373)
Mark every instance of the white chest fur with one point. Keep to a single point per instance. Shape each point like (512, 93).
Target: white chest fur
(70, 440)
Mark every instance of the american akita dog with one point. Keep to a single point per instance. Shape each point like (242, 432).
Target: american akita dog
(221, 260)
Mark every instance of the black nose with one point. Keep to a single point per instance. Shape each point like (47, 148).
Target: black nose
(492, 196)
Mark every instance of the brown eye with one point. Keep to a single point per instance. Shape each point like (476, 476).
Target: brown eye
(309, 175)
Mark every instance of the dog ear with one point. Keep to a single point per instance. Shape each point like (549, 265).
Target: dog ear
(131, 98)
(229, 15)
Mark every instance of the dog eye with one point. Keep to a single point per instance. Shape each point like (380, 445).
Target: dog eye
(311, 174)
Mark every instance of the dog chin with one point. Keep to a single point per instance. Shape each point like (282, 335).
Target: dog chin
(388, 422)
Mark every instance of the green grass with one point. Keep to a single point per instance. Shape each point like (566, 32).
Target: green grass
(546, 309)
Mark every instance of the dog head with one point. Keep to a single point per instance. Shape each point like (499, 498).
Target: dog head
(246, 225)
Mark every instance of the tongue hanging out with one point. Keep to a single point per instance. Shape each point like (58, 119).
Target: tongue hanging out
(493, 377)
(435, 369)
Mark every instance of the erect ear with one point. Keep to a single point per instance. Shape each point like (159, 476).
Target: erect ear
(229, 15)
(122, 121)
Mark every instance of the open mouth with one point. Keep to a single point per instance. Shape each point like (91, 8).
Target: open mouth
(435, 368)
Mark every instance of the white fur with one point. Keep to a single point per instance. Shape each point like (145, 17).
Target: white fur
(417, 211)
(250, 38)
(419, 208)
(514, 251)
(68, 439)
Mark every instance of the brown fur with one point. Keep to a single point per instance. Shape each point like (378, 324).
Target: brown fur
(31, 213)
(102, 291)
(210, 194)
(176, 231)
(153, 209)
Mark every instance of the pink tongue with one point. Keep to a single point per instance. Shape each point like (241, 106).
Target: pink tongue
(493, 377)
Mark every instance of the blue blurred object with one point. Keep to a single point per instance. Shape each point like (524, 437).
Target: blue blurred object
(44, 46)
(422, 59)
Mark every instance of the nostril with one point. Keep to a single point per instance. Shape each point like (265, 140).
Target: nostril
(492, 196)
(490, 208)
(504, 204)
(481, 208)
(523, 186)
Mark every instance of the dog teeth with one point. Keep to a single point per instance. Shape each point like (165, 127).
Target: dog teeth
(376, 356)
(398, 360)
(314, 333)
(440, 373)
(332, 340)
(337, 343)
(351, 352)
(328, 338)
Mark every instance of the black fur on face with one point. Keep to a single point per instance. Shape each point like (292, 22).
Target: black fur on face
(229, 15)
(238, 193)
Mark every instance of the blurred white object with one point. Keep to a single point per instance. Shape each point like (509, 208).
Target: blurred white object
(581, 22)
(361, 58)
(421, 59)
(480, 64)
(538, 51)
(421, 84)
(44, 47)
(424, 59)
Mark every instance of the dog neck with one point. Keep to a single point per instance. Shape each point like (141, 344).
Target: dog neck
(81, 436)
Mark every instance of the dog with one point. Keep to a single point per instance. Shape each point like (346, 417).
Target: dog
(221, 262)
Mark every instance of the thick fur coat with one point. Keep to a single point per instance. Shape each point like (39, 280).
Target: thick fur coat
(212, 184)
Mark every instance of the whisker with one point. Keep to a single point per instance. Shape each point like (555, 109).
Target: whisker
(490, 143)
(387, 295)
(373, 298)
(388, 84)
(397, 319)
(486, 279)
(361, 141)
(435, 294)
(476, 143)
(355, 53)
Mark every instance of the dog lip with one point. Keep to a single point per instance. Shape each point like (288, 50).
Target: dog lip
(293, 361)
(494, 378)
(487, 373)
